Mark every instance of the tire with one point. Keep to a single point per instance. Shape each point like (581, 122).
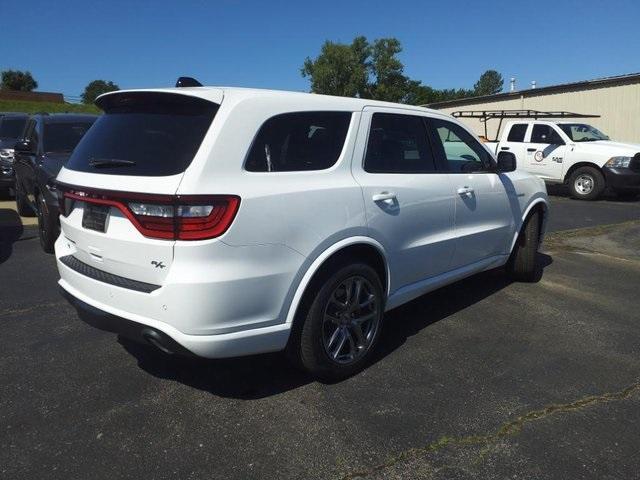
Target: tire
(334, 338)
(47, 226)
(586, 183)
(22, 206)
(523, 263)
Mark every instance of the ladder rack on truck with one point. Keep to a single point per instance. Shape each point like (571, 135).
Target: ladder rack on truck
(486, 115)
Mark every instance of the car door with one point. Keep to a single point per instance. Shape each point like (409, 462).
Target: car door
(514, 142)
(409, 206)
(545, 151)
(484, 221)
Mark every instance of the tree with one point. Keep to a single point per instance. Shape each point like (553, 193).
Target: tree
(360, 70)
(390, 83)
(373, 70)
(18, 80)
(490, 82)
(97, 88)
(340, 69)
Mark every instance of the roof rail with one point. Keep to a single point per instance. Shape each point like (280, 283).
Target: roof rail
(485, 115)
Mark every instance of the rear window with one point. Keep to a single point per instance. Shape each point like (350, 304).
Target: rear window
(516, 134)
(12, 127)
(63, 137)
(299, 141)
(144, 134)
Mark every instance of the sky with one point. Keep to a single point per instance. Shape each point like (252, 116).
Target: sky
(446, 44)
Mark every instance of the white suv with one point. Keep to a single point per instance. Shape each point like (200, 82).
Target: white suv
(223, 221)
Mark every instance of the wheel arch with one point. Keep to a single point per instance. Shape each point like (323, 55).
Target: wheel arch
(578, 165)
(361, 247)
(539, 205)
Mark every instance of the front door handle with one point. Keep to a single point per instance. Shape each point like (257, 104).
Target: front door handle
(504, 148)
(531, 149)
(465, 191)
(383, 197)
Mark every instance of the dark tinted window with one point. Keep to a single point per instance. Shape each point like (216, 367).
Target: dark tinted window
(30, 132)
(299, 141)
(147, 134)
(545, 134)
(516, 134)
(63, 137)
(461, 152)
(12, 127)
(398, 144)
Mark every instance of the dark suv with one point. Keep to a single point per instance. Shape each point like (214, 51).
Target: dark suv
(47, 143)
(11, 127)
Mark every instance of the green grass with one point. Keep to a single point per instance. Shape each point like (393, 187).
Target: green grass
(49, 107)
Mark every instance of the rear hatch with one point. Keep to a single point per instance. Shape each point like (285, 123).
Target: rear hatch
(117, 193)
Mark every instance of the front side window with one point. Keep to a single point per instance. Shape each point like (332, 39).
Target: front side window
(398, 144)
(63, 137)
(461, 152)
(545, 134)
(516, 134)
(581, 132)
(31, 132)
(299, 141)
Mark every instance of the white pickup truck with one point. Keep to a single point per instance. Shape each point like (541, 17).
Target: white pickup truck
(575, 154)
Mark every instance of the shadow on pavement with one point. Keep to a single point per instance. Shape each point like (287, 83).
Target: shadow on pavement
(563, 191)
(265, 375)
(11, 230)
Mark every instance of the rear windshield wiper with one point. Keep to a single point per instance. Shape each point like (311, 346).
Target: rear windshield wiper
(110, 162)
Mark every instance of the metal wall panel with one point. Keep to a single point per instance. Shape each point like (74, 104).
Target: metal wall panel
(618, 105)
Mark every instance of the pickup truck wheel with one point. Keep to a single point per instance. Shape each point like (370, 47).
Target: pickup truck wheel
(342, 325)
(523, 263)
(47, 227)
(22, 206)
(586, 183)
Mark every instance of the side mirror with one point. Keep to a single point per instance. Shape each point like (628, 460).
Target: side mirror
(24, 145)
(506, 162)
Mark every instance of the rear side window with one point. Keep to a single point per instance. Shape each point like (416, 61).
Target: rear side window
(398, 144)
(144, 134)
(63, 137)
(516, 134)
(299, 141)
(12, 127)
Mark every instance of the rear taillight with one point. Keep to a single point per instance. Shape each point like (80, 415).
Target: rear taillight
(170, 217)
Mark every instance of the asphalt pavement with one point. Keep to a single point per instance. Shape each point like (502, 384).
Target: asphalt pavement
(482, 379)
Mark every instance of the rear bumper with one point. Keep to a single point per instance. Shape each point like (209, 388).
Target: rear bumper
(622, 178)
(127, 328)
(170, 340)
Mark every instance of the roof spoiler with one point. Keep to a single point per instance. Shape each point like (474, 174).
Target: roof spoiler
(187, 82)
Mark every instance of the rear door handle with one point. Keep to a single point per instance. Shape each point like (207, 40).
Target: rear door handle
(465, 191)
(531, 149)
(383, 197)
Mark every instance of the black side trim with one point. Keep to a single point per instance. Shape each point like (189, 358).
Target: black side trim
(88, 271)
